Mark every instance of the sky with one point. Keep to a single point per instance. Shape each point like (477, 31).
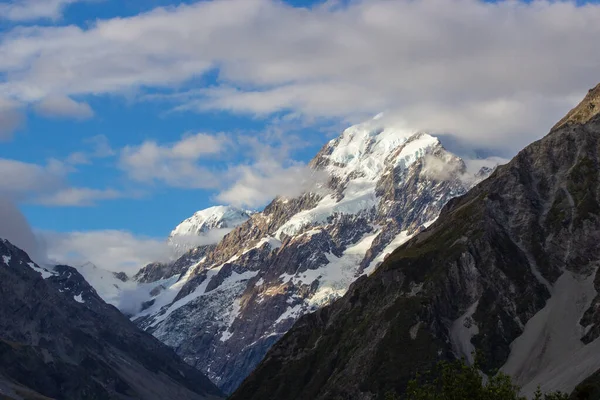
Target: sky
(120, 118)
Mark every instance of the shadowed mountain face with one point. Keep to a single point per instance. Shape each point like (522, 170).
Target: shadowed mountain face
(508, 270)
(59, 339)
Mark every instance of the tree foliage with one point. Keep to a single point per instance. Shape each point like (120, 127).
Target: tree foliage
(458, 381)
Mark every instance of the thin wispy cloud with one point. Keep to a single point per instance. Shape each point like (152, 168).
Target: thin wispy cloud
(31, 10)
(63, 107)
(78, 197)
(113, 250)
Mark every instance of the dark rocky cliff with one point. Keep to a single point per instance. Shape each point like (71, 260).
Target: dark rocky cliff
(60, 340)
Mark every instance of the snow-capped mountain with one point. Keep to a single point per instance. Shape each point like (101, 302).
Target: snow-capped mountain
(207, 226)
(510, 270)
(192, 239)
(210, 218)
(232, 301)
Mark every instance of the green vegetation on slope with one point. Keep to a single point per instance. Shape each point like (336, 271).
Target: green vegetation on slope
(458, 381)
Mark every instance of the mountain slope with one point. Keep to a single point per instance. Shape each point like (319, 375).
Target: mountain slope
(508, 270)
(382, 185)
(60, 339)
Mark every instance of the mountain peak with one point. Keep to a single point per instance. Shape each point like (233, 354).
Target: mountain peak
(369, 148)
(585, 111)
(211, 218)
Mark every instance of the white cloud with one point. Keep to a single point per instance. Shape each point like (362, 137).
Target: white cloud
(29, 10)
(113, 250)
(48, 184)
(475, 165)
(100, 149)
(63, 107)
(21, 180)
(11, 118)
(176, 164)
(78, 197)
(488, 72)
(263, 168)
(258, 183)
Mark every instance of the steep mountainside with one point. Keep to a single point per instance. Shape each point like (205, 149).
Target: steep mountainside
(227, 308)
(509, 270)
(60, 340)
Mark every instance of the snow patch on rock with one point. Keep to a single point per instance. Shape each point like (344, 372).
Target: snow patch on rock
(549, 352)
(462, 331)
(398, 241)
(414, 330)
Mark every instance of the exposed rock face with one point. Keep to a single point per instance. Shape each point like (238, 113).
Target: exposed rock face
(163, 270)
(510, 270)
(585, 111)
(384, 185)
(60, 340)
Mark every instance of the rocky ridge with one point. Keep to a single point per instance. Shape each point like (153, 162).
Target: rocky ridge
(60, 340)
(509, 270)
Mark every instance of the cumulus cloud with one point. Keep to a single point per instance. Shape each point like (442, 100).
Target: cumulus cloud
(439, 169)
(489, 72)
(176, 164)
(263, 167)
(113, 250)
(258, 183)
(21, 180)
(63, 107)
(29, 10)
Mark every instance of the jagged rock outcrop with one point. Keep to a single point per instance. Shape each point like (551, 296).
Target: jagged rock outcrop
(60, 340)
(510, 270)
(381, 185)
(157, 271)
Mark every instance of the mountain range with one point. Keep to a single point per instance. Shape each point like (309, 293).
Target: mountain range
(508, 272)
(222, 306)
(401, 255)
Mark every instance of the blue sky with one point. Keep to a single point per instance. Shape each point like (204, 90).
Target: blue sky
(122, 117)
(155, 211)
